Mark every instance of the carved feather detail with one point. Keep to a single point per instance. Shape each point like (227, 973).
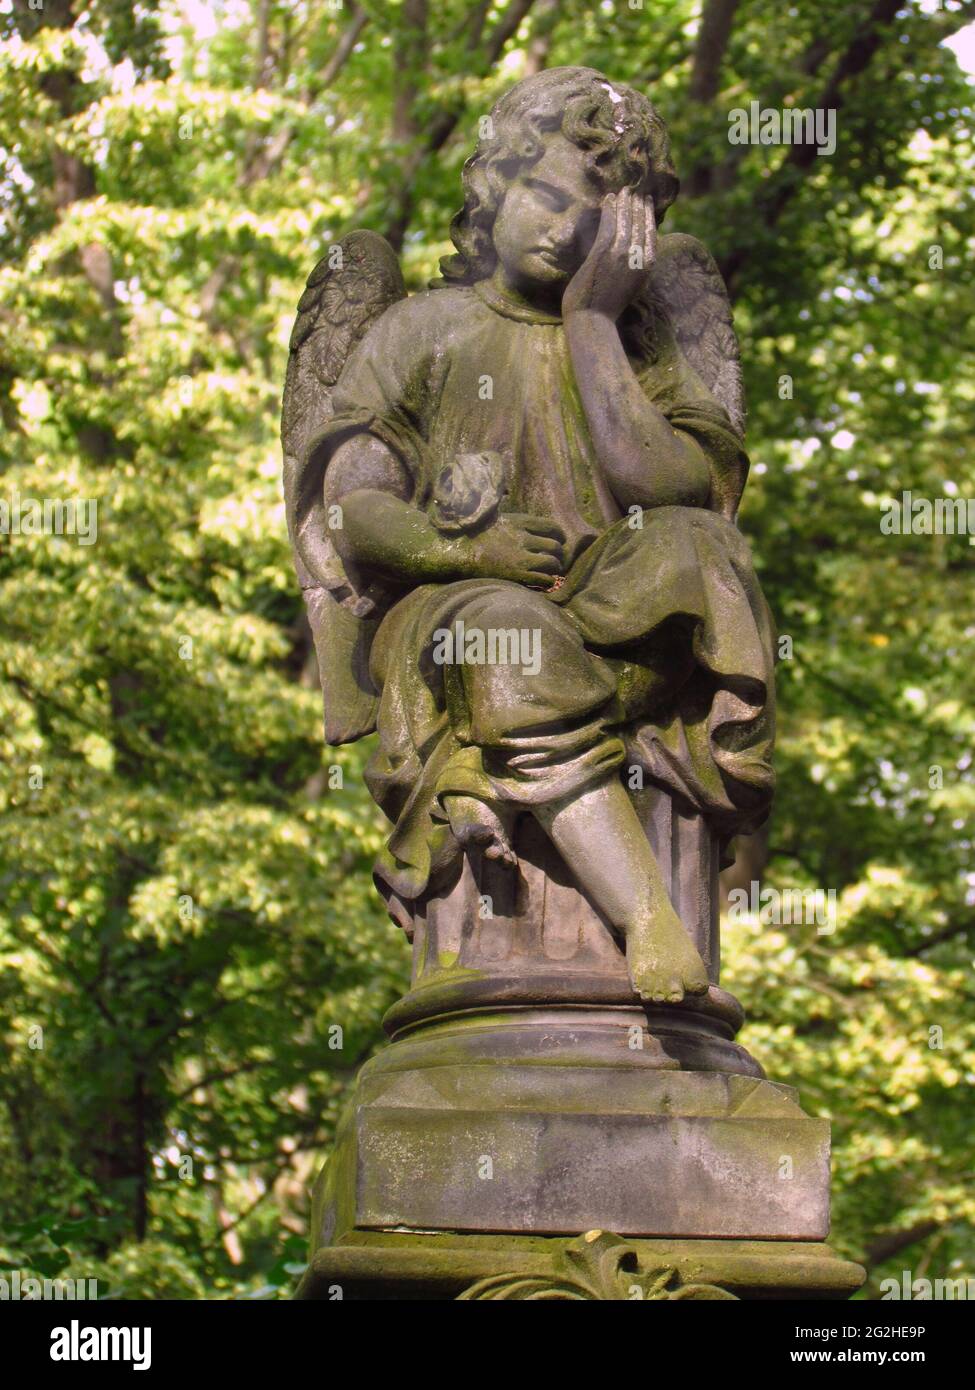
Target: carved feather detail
(349, 288)
(686, 285)
(355, 282)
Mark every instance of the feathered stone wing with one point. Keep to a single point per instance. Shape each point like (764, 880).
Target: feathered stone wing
(349, 288)
(686, 283)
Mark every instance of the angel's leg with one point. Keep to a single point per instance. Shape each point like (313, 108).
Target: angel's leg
(538, 722)
(599, 835)
(549, 749)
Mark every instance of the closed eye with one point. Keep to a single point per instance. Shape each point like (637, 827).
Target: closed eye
(549, 194)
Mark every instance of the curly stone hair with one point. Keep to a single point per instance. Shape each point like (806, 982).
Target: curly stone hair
(625, 141)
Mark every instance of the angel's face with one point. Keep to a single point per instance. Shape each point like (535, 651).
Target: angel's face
(547, 222)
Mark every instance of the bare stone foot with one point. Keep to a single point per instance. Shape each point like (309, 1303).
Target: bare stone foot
(475, 823)
(663, 962)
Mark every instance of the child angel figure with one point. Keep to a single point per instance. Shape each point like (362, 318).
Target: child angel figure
(570, 387)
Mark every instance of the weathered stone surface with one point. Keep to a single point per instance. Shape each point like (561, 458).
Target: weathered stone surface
(517, 1149)
(384, 1265)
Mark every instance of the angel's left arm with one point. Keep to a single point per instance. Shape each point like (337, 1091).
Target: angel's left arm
(646, 461)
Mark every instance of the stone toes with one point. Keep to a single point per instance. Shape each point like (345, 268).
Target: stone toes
(672, 992)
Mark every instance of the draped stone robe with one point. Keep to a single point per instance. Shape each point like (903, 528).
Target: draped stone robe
(657, 649)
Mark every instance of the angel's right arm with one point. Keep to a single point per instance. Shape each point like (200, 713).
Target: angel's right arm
(382, 531)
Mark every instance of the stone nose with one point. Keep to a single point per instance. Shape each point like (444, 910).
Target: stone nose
(562, 231)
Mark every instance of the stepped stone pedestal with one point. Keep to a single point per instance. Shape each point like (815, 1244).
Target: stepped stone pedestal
(535, 1131)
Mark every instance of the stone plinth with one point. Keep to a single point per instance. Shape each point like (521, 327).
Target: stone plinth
(555, 1149)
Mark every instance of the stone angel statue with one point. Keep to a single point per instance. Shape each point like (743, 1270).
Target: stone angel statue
(548, 441)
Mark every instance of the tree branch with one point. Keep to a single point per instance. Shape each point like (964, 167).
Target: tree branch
(712, 42)
(786, 181)
(343, 49)
(717, 20)
(939, 938)
(893, 1242)
(262, 161)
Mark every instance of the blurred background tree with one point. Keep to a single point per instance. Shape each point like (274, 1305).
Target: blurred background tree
(194, 964)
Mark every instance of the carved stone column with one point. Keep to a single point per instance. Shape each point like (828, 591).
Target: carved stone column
(521, 966)
(527, 1092)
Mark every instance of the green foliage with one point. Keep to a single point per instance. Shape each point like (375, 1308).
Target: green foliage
(187, 915)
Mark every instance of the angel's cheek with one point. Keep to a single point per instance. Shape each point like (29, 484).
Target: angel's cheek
(512, 230)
